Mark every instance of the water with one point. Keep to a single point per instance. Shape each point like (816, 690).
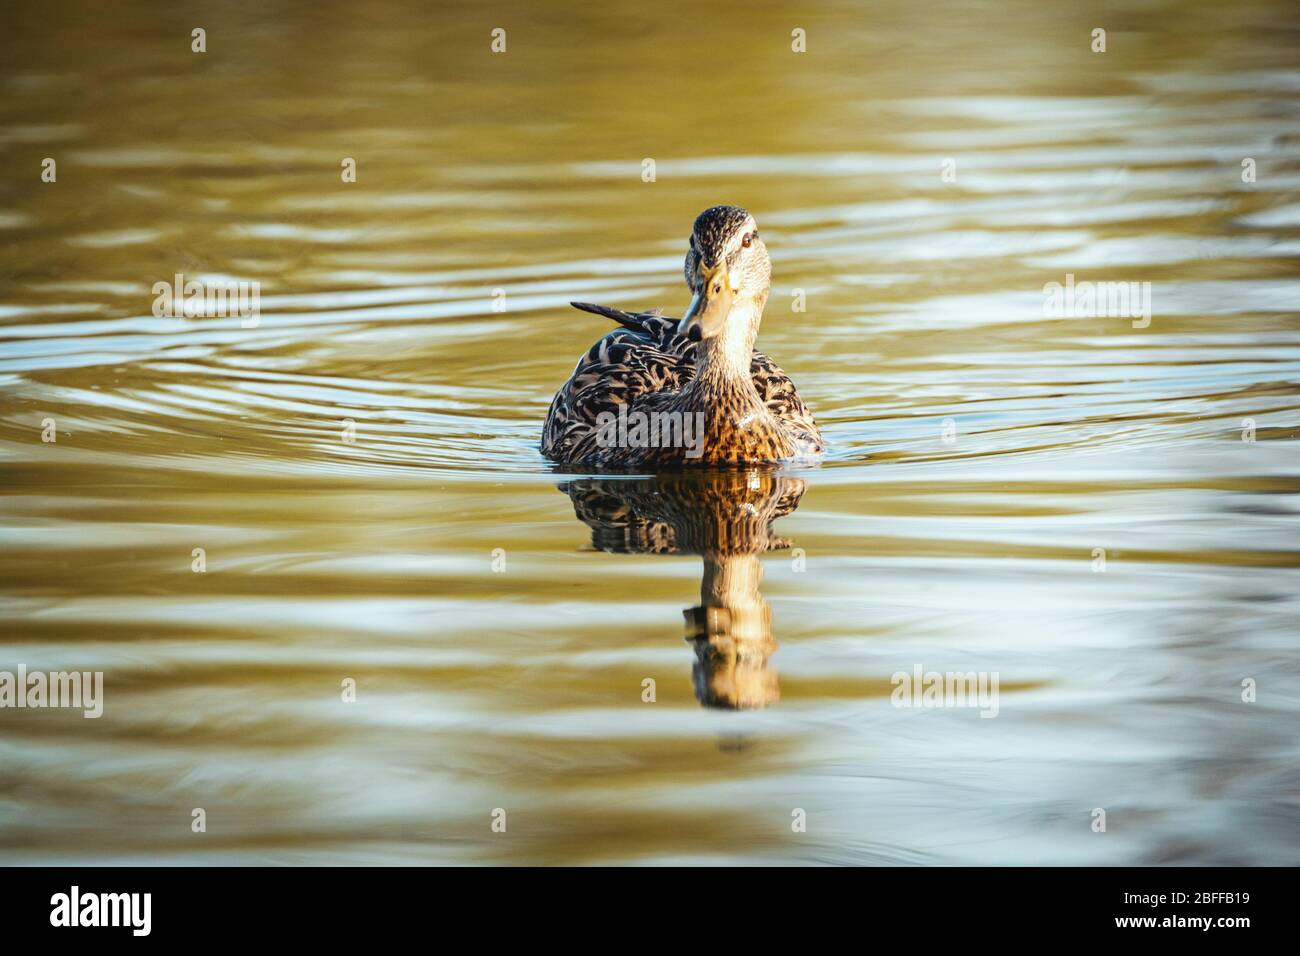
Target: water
(1072, 504)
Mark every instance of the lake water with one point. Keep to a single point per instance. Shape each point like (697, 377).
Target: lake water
(1100, 511)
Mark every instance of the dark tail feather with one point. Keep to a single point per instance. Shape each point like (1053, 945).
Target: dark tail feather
(630, 320)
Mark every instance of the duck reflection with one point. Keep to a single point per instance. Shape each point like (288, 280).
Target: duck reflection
(725, 518)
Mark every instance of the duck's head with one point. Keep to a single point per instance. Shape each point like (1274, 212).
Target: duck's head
(727, 270)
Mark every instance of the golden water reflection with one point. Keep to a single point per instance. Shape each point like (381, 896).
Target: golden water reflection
(726, 518)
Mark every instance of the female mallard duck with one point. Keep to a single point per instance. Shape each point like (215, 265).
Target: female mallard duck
(660, 392)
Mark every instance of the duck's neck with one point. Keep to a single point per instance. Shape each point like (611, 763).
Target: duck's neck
(723, 362)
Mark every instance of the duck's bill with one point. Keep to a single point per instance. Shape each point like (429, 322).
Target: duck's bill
(707, 313)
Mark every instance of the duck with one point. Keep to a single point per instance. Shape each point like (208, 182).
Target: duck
(659, 392)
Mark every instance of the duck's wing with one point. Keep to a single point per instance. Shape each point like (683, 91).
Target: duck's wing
(644, 357)
(782, 399)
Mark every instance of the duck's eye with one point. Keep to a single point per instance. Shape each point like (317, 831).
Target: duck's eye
(749, 238)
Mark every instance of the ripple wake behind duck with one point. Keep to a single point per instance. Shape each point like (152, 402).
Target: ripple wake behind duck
(698, 378)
